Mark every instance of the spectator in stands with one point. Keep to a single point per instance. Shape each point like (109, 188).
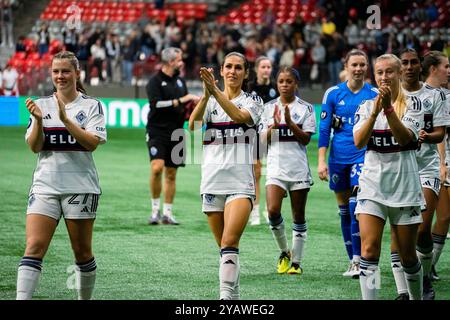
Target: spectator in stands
(318, 56)
(113, 53)
(335, 49)
(43, 39)
(99, 57)
(148, 45)
(70, 39)
(20, 45)
(6, 24)
(130, 50)
(10, 81)
(82, 54)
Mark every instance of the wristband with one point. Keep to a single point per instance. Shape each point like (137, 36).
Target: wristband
(388, 110)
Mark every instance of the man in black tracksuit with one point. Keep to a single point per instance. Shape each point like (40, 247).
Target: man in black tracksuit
(167, 94)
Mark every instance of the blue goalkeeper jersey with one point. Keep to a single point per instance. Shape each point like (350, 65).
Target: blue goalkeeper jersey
(342, 103)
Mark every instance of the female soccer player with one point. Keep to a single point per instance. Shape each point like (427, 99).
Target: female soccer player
(427, 107)
(389, 185)
(345, 160)
(64, 129)
(267, 91)
(441, 225)
(288, 123)
(228, 183)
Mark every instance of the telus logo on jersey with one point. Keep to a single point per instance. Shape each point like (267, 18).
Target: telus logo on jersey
(383, 141)
(228, 132)
(59, 139)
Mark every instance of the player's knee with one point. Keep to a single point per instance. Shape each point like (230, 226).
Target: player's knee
(35, 248)
(273, 210)
(230, 241)
(157, 169)
(82, 252)
(370, 250)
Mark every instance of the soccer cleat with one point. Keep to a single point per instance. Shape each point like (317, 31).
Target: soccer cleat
(434, 275)
(169, 220)
(255, 219)
(355, 270)
(402, 296)
(428, 291)
(349, 272)
(283, 262)
(295, 269)
(154, 219)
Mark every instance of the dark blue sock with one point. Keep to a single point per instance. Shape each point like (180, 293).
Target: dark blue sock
(356, 239)
(346, 221)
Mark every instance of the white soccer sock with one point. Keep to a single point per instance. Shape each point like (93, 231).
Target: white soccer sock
(236, 295)
(167, 209)
(369, 279)
(425, 255)
(299, 236)
(279, 233)
(27, 279)
(86, 273)
(228, 272)
(438, 246)
(155, 205)
(414, 280)
(399, 275)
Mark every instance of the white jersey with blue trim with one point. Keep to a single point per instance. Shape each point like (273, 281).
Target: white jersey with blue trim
(64, 166)
(287, 158)
(428, 105)
(390, 174)
(227, 165)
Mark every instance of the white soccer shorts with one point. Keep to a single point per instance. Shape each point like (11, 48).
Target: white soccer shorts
(397, 215)
(70, 206)
(217, 202)
(431, 183)
(289, 185)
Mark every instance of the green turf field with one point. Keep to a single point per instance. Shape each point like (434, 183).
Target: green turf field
(137, 261)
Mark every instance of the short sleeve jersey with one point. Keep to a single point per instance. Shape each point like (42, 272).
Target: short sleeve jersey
(390, 174)
(428, 106)
(64, 166)
(227, 165)
(340, 101)
(287, 158)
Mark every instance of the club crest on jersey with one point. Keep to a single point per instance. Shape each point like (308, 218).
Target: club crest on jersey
(272, 93)
(153, 151)
(427, 105)
(81, 116)
(209, 198)
(323, 115)
(335, 178)
(180, 83)
(295, 117)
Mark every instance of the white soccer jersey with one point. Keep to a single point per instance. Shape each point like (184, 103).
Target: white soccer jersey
(287, 158)
(390, 174)
(64, 166)
(227, 165)
(428, 105)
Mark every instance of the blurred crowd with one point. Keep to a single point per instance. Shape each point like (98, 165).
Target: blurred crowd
(314, 46)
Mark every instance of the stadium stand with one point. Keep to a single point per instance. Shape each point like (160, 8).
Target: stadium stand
(308, 35)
